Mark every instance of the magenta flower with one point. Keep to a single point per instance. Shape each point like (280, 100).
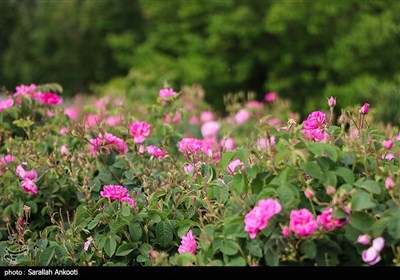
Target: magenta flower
(72, 113)
(155, 151)
(166, 92)
(117, 192)
(254, 104)
(233, 165)
(92, 120)
(87, 243)
(64, 150)
(6, 159)
(388, 144)
(364, 109)
(50, 98)
(286, 231)
(332, 101)
(210, 129)
(372, 255)
(315, 120)
(5, 104)
(188, 244)
(190, 145)
(302, 222)
(29, 186)
(257, 219)
(128, 200)
(242, 116)
(227, 144)
(30, 174)
(114, 120)
(364, 239)
(114, 192)
(107, 143)
(327, 221)
(270, 96)
(309, 193)
(139, 131)
(24, 89)
(206, 116)
(389, 184)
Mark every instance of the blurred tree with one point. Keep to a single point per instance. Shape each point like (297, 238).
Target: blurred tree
(64, 41)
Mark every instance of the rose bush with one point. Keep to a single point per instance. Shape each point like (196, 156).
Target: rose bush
(105, 182)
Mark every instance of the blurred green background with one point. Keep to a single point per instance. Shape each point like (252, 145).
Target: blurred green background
(303, 50)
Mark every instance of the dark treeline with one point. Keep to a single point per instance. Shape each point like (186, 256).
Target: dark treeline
(304, 50)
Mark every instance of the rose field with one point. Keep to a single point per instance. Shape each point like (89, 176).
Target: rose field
(109, 181)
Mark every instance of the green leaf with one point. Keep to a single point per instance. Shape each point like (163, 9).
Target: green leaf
(46, 256)
(164, 233)
(308, 248)
(221, 193)
(228, 247)
(331, 179)
(226, 159)
(346, 174)
(110, 246)
(110, 159)
(361, 222)
(117, 226)
(361, 200)
(243, 155)
(125, 249)
(145, 248)
(312, 169)
(394, 227)
(324, 150)
(271, 258)
(286, 195)
(369, 185)
(255, 248)
(126, 210)
(237, 261)
(240, 183)
(135, 230)
(267, 193)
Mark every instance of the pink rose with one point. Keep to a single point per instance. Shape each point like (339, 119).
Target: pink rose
(50, 98)
(155, 151)
(364, 109)
(258, 218)
(166, 92)
(270, 96)
(206, 116)
(242, 116)
(139, 131)
(29, 186)
(72, 113)
(5, 104)
(389, 184)
(388, 144)
(188, 244)
(233, 165)
(210, 129)
(302, 222)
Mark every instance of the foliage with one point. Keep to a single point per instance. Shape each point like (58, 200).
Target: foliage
(304, 50)
(72, 221)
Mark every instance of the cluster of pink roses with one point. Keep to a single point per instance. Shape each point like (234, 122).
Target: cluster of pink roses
(107, 143)
(303, 223)
(117, 192)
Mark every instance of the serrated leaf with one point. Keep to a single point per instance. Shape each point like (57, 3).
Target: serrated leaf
(164, 233)
(237, 261)
(271, 258)
(125, 249)
(286, 195)
(221, 193)
(346, 174)
(308, 248)
(135, 231)
(361, 200)
(110, 246)
(228, 247)
(46, 256)
(370, 185)
(312, 169)
(394, 227)
(240, 183)
(361, 222)
(116, 226)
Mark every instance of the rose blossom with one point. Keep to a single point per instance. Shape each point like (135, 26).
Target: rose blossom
(139, 131)
(232, 166)
(188, 243)
(302, 222)
(210, 129)
(5, 104)
(242, 116)
(50, 98)
(166, 92)
(364, 109)
(257, 219)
